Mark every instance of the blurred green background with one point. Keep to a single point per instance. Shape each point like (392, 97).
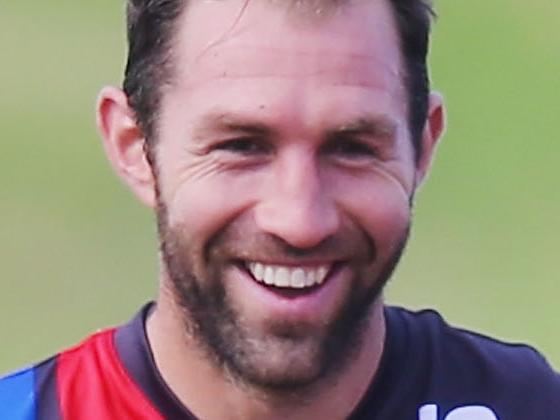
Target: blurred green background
(77, 252)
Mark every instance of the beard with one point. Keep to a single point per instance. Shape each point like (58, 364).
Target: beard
(281, 356)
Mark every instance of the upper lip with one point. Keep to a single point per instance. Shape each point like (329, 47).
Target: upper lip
(291, 262)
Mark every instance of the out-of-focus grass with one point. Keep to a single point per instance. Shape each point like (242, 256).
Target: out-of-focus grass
(485, 240)
(78, 253)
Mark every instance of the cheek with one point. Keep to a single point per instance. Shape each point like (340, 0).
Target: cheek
(203, 206)
(381, 208)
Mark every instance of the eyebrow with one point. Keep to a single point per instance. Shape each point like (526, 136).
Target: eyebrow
(377, 126)
(374, 126)
(222, 122)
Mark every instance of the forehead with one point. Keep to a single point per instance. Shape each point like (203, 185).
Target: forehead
(238, 53)
(357, 39)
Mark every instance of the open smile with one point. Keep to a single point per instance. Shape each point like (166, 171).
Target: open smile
(290, 276)
(292, 291)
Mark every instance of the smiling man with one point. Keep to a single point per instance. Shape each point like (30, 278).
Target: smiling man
(281, 144)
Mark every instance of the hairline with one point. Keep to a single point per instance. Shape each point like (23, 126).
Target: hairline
(168, 58)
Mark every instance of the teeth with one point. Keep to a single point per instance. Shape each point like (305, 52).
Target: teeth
(258, 271)
(298, 279)
(281, 277)
(268, 275)
(288, 277)
(321, 274)
(311, 279)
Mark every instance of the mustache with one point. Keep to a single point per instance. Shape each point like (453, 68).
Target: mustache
(244, 243)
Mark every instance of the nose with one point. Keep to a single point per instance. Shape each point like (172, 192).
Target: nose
(297, 206)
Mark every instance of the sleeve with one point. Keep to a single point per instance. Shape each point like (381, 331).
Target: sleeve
(17, 396)
(540, 396)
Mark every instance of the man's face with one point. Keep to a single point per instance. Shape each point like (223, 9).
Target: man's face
(285, 173)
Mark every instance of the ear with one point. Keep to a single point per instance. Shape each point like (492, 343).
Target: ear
(123, 142)
(433, 131)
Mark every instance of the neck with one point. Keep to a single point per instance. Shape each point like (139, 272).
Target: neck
(208, 392)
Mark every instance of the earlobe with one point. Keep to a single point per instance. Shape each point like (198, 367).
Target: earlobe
(123, 142)
(433, 131)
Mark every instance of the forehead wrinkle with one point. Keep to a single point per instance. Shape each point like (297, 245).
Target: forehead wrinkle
(230, 24)
(351, 69)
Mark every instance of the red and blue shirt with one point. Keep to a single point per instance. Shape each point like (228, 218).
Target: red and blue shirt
(110, 375)
(429, 371)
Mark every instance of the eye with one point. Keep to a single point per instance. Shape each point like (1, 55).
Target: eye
(243, 146)
(349, 148)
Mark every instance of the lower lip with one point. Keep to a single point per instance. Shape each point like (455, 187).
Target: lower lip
(310, 304)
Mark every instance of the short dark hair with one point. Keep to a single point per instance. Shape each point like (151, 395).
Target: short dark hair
(151, 25)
